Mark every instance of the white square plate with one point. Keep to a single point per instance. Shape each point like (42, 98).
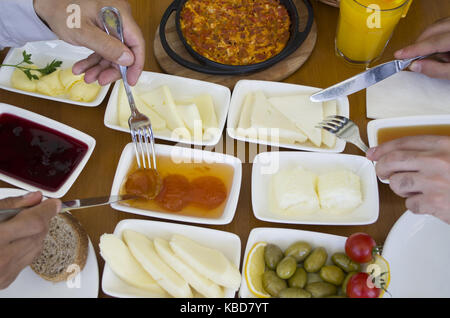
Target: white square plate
(269, 163)
(375, 125)
(181, 88)
(228, 243)
(285, 237)
(42, 53)
(53, 124)
(30, 285)
(181, 153)
(273, 89)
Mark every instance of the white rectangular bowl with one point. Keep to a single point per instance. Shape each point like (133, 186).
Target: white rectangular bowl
(274, 89)
(375, 125)
(285, 237)
(47, 122)
(228, 243)
(181, 88)
(128, 157)
(268, 163)
(42, 53)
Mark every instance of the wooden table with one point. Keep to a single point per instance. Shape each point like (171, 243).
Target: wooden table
(321, 70)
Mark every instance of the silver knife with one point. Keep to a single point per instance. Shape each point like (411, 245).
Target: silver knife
(74, 204)
(363, 80)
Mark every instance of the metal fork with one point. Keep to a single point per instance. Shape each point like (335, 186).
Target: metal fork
(140, 125)
(345, 129)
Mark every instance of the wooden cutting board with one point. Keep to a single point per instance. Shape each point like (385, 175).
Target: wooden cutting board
(278, 72)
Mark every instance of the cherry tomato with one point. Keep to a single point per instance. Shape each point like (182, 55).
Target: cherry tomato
(360, 286)
(360, 247)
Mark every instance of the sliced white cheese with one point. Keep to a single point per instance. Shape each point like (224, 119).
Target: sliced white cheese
(194, 278)
(329, 109)
(339, 191)
(192, 119)
(295, 191)
(271, 124)
(205, 105)
(144, 251)
(303, 113)
(119, 258)
(161, 100)
(246, 112)
(124, 111)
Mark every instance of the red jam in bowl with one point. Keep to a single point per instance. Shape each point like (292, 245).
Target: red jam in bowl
(37, 155)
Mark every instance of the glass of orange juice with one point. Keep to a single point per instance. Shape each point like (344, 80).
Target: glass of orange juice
(366, 26)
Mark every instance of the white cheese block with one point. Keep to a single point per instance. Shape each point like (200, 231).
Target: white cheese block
(303, 113)
(271, 124)
(210, 262)
(194, 278)
(329, 109)
(124, 111)
(339, 191)
(192, 119)
(161, 100)
(295, 191)
(119, 258)
(144, 251)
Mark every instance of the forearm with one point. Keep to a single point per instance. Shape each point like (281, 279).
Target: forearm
(20, 24)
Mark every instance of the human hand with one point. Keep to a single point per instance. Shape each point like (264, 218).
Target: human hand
(418, 169)
(435, 39)
(109, 51)
(21, 238)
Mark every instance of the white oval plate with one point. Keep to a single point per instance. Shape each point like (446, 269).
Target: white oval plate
(271, 89)
(419, 256)
(181, 153)
(181, 88)
(30, 285)
(228, 243)
(53, 124)
(269, 163)
(375, 125)
(285, 237)
(42, 53)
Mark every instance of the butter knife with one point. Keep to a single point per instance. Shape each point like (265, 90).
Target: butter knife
(363, 80)
(75, 204)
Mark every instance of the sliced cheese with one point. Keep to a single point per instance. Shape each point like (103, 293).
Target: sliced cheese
(194, 278)
(144, 251)
(329, 109)
(124, 112)
(67, 78)
(50, 84)
(271, 124)
(205, 105)
(208, 261)
(339, 191)
(119, 258)
(295, 191)
(246, 112)
(83, 92)
(161, 100)
(193, 121)
(20, 80)
(303, 113)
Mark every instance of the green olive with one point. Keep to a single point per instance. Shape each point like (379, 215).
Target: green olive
(286, 267)
(272, 255)
(321, 289)
(315, 260)
(272, 283)
(314, 277)
(344, 262)
(299, 250)
(344, 284)
(294, 292)
(332, 274)
(299, 278)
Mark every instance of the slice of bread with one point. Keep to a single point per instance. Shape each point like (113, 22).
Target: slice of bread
(66, 244)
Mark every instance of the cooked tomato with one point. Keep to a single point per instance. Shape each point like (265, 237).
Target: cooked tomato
(174, 195)
(144, 183)
(208, 192)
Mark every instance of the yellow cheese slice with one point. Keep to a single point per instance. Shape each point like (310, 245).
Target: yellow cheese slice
(21, 81)
(50, 84)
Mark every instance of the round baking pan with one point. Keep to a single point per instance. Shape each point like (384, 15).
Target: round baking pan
(211, 67)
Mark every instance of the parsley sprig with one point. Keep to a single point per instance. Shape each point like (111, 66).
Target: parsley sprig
(48, 69)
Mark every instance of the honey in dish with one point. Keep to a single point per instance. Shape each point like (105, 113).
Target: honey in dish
(197, 189)
(392, 133)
